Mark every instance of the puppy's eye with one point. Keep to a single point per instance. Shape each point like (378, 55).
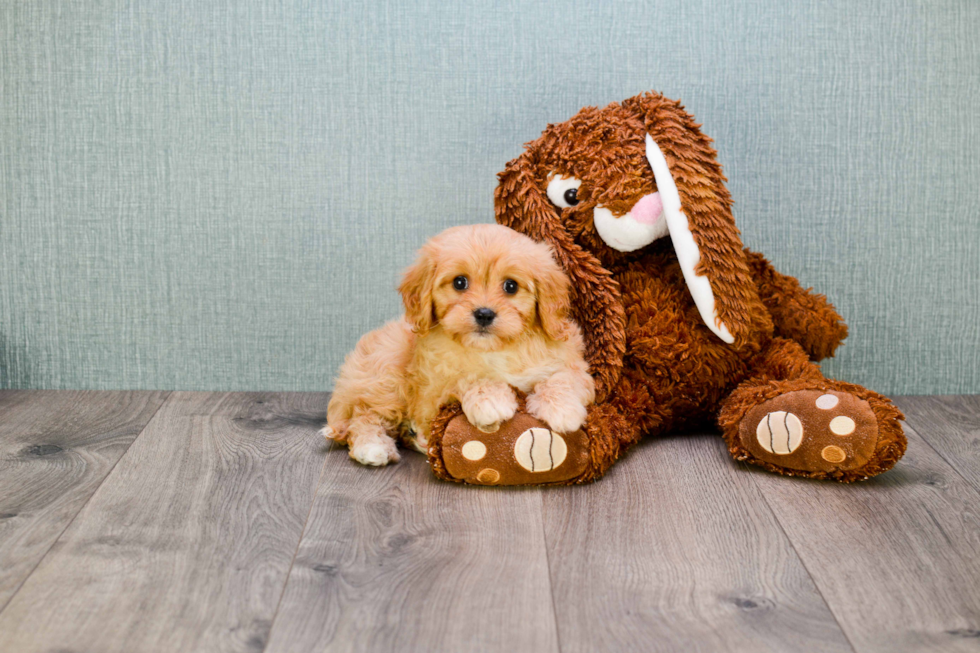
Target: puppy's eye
(461, 283)
(510, 287)
(563, 191)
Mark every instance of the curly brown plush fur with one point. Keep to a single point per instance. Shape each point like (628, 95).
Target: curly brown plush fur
(659, 359)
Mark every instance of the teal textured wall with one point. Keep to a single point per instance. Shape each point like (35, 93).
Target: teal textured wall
(221, 194)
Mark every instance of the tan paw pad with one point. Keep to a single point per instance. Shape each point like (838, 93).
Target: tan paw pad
(827, 402)
(474, 450)
(540, 450)
(833, 454)
(488, 476)
(779, 432)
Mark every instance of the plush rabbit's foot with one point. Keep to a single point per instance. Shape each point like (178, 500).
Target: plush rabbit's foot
(523, 451)
(818, 431)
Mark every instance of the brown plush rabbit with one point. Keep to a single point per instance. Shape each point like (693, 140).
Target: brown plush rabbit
(680, 331)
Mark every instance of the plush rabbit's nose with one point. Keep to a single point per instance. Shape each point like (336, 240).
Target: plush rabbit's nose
(648, 210)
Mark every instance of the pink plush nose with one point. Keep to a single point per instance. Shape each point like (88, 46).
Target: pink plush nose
(648, 210)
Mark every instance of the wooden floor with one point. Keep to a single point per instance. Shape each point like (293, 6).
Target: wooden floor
(148, 521)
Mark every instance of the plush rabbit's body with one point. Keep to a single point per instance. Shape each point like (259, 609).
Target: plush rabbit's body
(683, 326)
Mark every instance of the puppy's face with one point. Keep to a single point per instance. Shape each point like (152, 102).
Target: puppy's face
(485, 285)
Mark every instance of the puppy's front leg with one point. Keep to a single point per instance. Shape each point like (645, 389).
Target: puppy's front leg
(487, 404)
(560, 400)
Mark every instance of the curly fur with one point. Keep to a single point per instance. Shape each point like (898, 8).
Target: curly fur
(396, 379)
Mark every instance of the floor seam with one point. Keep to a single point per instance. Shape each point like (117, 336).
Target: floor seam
(551, 581)
(87, 501)
(299, 542)
(799, 557)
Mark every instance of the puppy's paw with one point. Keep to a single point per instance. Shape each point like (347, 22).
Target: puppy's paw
(486, 406)
(330, 434)
(374, 450)
(419, 441)
(416, 444)
(562, 411)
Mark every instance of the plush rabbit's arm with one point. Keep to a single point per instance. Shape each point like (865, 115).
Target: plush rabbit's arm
(797, 313)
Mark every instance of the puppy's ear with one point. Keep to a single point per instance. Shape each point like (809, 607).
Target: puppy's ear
(698, 210)
(521, 203)
(552, 297)
(416, 290)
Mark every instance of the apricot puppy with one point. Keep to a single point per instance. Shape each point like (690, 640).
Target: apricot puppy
(486, 310)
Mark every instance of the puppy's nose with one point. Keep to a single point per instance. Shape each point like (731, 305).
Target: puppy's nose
(484, 316)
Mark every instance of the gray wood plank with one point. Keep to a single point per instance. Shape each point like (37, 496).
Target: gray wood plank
(674, 551)
(951, 426)
(56, 447)
(394, 560)
(186, 546)
(896, 557)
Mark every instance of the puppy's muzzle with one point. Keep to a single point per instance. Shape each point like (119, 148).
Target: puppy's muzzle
(484, 316)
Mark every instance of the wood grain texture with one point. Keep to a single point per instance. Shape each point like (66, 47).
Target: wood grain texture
(186, 546)
(951, 426)
(673, 551)
(394, 560)
(896, 557)
(56, 447)
(194, 541)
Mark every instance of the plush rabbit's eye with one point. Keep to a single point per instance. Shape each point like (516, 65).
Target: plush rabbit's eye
(460, 283)
(563, 191)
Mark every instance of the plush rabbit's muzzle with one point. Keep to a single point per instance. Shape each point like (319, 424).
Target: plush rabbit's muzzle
(640, 226)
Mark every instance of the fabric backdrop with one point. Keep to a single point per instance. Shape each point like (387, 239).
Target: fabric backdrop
(221, 194)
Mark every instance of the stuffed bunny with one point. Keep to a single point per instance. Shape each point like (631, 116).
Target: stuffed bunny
(683, 327)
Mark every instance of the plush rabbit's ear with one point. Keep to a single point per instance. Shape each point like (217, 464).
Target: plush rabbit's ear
(521, 203)
(698, 211)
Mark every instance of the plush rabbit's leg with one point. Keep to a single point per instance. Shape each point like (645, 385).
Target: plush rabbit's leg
(798, 314)
(790, 419)
(524, 450)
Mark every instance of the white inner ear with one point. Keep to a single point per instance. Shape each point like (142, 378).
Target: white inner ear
(687, 251)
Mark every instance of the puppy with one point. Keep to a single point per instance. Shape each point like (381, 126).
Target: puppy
(486, 309)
